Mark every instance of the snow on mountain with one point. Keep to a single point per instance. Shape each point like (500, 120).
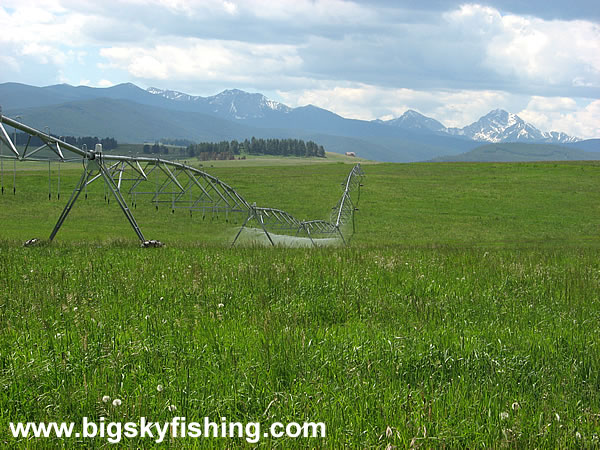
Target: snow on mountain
(496, 126)
(244, 105)
(501, 126)
(560, 137)
(412, 120)
(173, 95)
(231, 103)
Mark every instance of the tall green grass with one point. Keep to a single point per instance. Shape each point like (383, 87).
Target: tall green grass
(464, 313)
(386, 346)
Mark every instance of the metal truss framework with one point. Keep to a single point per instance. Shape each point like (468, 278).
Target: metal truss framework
(278, 221)
(177, 185)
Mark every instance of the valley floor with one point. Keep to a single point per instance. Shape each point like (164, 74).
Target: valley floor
(464, 313)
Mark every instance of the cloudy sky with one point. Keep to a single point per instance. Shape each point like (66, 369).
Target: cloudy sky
(453, 61)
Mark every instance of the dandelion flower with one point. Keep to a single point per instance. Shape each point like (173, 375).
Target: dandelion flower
(503, 415)
(106, 399)
(172, 408)
(117, 402)
(220, 305)
(515, 406)
(159, 388)
(577, 435)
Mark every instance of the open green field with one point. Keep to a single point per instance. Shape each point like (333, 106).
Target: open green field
(464, 313)
(426, 205)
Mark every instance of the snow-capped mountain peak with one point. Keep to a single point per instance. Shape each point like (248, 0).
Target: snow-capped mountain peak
(246, 105)
(231, 103)
(501, 126)
(496, 126)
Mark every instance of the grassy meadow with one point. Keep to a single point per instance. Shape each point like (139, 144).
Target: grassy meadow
(425, 204)
(464, 313)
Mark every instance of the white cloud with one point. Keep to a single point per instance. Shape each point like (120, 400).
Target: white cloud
(360, 60)
(475, 19)
(564, 114)
(584, 122)
(551, 104)
(10, 62)
(44, 54)
(313, 11)
(460, 108)
(230, 7)
(27, 25)
(368, 102)
(453, 108)
(535, 51)
(105, 83)
(354, 100)
(198, 60)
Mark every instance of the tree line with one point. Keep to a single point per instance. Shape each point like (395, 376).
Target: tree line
(254, 146)
(107, 143)
(89, 141)
(156, 148)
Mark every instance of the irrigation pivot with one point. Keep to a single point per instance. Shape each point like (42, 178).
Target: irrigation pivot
(272, 220)
(172, 185)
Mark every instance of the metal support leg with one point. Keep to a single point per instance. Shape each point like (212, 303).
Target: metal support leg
(341, 235)
(49, 182)
(260, 220)
(69, 205)
(1, 168)
(309, 236)
(241, 228)
(121, 201)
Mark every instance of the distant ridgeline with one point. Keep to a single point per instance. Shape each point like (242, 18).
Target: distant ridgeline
(278, 147)
(107, 143)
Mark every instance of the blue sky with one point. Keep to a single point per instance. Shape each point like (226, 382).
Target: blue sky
(453, 61)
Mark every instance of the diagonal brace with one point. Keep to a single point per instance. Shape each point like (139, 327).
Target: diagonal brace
(120, 200)
(71, 202)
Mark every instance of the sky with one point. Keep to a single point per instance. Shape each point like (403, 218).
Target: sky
(450, 60)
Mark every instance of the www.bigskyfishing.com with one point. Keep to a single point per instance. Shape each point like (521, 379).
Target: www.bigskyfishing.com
(177, 428)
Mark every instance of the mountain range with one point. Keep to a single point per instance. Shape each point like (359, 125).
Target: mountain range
(131, 114)
(496, 126)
